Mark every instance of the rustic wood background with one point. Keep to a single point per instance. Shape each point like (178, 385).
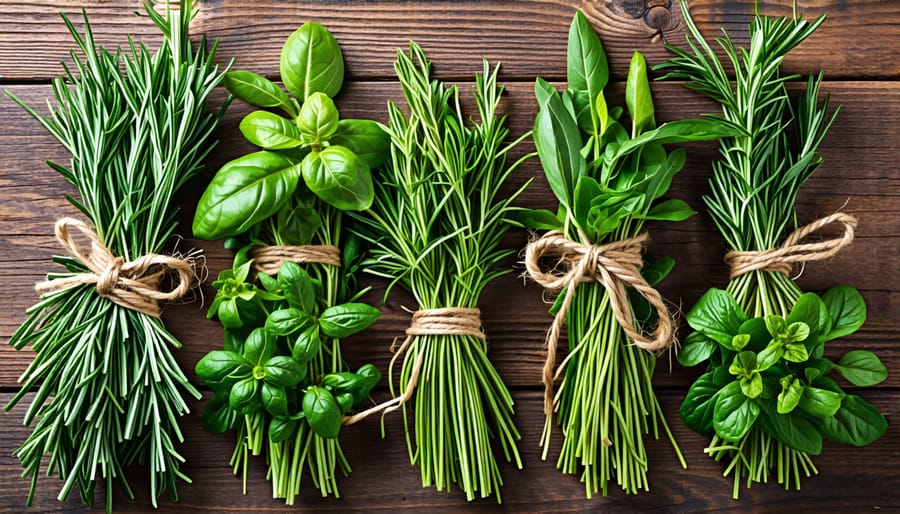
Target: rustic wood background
(858, 47)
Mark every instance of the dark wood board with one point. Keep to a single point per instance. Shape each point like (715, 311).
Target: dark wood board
(858, 47)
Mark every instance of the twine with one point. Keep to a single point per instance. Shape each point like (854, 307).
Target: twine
(133, 284)
(268, 259)
(458, 321)
(615, 266)
(782, 260)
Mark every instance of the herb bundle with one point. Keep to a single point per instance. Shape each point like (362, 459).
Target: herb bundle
(608, 183)
(109, 392)
(435, 227)
(281, 381)
(765, 398)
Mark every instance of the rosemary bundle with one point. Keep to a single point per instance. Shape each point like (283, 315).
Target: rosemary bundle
(108, 390)
(435, 227)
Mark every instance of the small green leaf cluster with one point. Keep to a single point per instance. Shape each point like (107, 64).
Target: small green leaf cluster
(333, 157)
(607, 179)
(272, 333)
(770, 372)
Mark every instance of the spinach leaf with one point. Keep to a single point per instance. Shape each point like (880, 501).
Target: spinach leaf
(311, 62)
(847, 309)
(696, 348)
(270, 131)
(699, 403)
(734, 413)
(258, 90)
(856, 423)
(819, 403)
(793, 429)
(680, 131)
(538, 219)
(339, 178)
(861, 368)
(717, 315)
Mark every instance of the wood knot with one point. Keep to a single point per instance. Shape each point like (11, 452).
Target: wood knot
(658, 18)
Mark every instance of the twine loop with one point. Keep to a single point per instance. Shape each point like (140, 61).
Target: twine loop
(615, 265)
(457, 321)
(268, 259)
(792, 251)
(133, 284)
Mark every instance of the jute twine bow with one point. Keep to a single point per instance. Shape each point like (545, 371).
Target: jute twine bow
(615, 265)
(460, 321)
(133, 284)
(268, 259)
(782, 259)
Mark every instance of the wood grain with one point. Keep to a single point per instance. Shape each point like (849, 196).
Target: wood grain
(862, 40)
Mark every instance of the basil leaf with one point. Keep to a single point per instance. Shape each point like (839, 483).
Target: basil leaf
(322, 412)
(343, 382)
(861, 368)
(696, 349)
(318, 117)
(538, 219)
(270, 131)
(717, 315)
(847, 309)
(558, 144)
(274, 399)
(228, 314)
(244, 192)
(697, 407)
(587, 71)
(259, 346)
(371, 376)
(344, 401)
(298, 224)
(286, 321)
(341, 321)
(311, 62)
(856, 423)
(282, 429)
(669, 210)
(637, 96)
(339, 178)
(243, 398)
(258, 90)
(283, 371)
(297, 287)
(734, 413)
(365, 138)
(221, 367)
(307, 345)
(218, 417)
(819, 403)
(794, 430)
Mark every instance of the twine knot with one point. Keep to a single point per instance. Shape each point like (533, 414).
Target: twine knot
(458, 321)
(782, 259)
(133, 284)
(268, 259)
(615, 265)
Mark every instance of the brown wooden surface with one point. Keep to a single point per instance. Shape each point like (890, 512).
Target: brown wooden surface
(858, 47)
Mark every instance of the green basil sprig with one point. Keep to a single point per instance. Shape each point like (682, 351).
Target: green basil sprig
(333, 157)
(770, 372)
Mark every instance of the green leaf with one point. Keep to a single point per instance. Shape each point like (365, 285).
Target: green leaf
(229, 315)
(274, 399)
(283, 371)
(819, 403)
(696, 349)
(558, 143)
(759, 336)
(258, 90)
(770, 356)
(311, 62)
(221, 367)
(218, 417)
(792, 429)
(637, 96)
(286, 321)
(344, 401)
(365, 138)
(339, 178)
(744, 364)
(669, 210)
(718, 316)
(752, 386)
(297, 287)
(270, 131)
(681, 131)
(322, 412)
(282, 429)
(734, 413)
(344, 320)
(776, 325)
(244, 192)
(307, 345)
(343, 382)
(847, 310)
(861, 368)
(697, 407)
(318, 118)
(856, 423)
(740, 341)
(795, 352)
(259, 346)
(808, 310)
(538, 219)
(371, 377)
(298, 224)
(243, 398)
(789, 397)
(655, 270)
(587, 71)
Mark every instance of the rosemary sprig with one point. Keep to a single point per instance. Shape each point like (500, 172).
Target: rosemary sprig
(109, 392)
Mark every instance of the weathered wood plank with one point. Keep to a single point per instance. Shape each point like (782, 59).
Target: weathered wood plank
(383, 481)
(529, 37)
(855, 169)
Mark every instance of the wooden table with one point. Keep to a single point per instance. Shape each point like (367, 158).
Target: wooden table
(858, 47)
